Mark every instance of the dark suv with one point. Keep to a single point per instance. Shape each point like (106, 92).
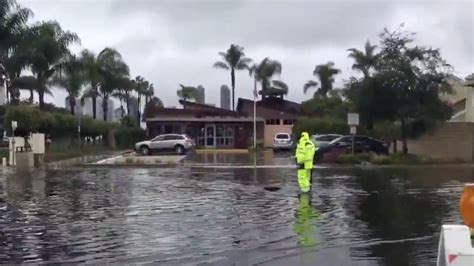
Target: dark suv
(362, 144)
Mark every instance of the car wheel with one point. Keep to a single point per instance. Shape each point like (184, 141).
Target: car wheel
(144, 150)
(179, 149)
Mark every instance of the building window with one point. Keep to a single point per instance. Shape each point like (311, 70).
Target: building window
(289, 121)
(272, 121)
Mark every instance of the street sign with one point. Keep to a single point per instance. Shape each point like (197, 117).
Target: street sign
(353, 119)
(353, 130)
(14, 125)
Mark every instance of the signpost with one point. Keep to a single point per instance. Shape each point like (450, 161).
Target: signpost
(353, 122)
(14, 126)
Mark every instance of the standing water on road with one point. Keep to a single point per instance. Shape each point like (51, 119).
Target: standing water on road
(225, 216)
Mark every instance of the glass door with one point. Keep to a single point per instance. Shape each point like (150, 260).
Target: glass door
(210, 136)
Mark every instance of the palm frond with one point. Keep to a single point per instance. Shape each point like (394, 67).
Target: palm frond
(309, 84)
(278, 84)
(221, 65)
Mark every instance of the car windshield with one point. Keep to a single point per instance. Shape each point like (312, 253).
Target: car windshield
(282, 136)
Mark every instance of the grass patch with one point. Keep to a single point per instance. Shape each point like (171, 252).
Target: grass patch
(398, 158)
(130, 160)
(4, 153)
(58, 152)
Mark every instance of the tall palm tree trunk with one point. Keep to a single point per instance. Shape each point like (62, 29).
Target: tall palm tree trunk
(41, 98)
(127, 99)
(121, 107)
(105, 107)
(232, 77)
(138, 112)
(32, 96)
(94, 107)
(72, 105)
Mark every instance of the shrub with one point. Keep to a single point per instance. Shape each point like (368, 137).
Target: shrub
(126, 138)
(127, 121)
(58, 123)
(382, 159)
(354, 159)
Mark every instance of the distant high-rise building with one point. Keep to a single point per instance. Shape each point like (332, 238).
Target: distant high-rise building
(117, 115)
(99, 109)
(133, 105)
(77, 107)
(88, 110)
(201, 95)
(225, 97)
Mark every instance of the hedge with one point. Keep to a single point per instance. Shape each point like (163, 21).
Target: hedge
(56, 124)
(125, 138)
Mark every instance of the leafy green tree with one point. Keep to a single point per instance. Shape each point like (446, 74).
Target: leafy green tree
(264, 73)
(71, 78)
(320, 106)
(46, 45)
(153, 103)
(325, 73)
(404, 87)
(233, 59)
(187, 93)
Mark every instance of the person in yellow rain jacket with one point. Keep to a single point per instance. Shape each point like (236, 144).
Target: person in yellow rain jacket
(304, 159)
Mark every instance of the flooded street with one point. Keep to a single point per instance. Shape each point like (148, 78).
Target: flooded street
(216, 212)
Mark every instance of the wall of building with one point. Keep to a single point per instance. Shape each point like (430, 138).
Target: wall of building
(454, 140)
(283, 126)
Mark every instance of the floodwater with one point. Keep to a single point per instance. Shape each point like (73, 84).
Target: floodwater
(198, 214)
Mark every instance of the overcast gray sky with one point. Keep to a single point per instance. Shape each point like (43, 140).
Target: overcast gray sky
(176, 41)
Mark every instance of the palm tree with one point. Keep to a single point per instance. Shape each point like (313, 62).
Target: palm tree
(233, 59)
(325, 73)
(47, 45)
(13, 19)
(264, 73)
(121, 96)
(149, 93)
(310, 84)
(29, 83)
(112, 71)
(125, 86)
(140, 86)
(187, 92)
(70, 77)
(365, 60)
(93, 76)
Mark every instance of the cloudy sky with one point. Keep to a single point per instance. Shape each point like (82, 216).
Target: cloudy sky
(176, 41)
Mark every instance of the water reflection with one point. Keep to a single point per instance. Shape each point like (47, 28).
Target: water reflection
(305, 221)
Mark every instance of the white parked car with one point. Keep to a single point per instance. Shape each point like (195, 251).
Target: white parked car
(176, 143)
(282, 141)
(324, 140)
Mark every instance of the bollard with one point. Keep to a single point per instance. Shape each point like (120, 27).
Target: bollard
(4, 161)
